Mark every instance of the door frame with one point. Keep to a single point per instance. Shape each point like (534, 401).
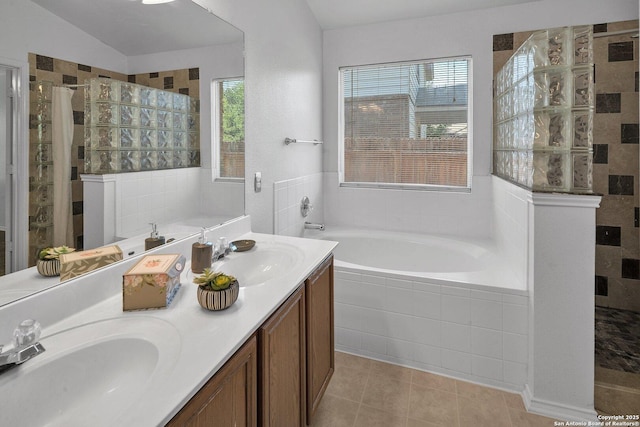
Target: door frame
(17, 231)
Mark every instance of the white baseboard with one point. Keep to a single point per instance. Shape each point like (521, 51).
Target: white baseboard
(555, 410)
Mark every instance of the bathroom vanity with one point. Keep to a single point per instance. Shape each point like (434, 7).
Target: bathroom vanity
(294, 353)
(182, 365)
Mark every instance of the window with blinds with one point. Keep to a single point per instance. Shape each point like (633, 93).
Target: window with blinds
(406, 125)
(229, 128)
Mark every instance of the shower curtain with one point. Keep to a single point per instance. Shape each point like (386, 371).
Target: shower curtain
(62, 138)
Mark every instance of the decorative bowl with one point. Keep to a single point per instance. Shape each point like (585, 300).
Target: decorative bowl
(218, 300)
(243, 245)
(48, 267)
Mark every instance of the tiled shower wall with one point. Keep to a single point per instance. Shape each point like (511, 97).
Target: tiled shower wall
(616, 160)
(61, 72)
(616, 169)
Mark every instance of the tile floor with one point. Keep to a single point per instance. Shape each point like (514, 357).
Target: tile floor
(617, 344)
(369, 393)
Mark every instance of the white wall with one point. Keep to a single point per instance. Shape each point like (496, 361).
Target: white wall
(510, 224)
(468, 33)
(283, 84)
(3, 145)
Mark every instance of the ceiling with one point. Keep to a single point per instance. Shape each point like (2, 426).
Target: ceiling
(133, 29)
(136, 29)
(345, 13)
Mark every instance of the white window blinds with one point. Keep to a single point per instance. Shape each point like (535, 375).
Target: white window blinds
(406, 124)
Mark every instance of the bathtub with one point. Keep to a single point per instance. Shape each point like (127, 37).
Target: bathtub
(435, 303)
(446, 260)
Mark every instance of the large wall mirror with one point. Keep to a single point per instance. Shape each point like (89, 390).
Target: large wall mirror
(177, 46)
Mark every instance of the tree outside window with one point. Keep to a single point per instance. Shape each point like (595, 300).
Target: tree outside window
(230, 123)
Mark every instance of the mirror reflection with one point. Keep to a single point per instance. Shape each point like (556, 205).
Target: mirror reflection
(165, 147)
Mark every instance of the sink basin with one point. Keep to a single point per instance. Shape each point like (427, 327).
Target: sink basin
(87, 370)
(266, 261)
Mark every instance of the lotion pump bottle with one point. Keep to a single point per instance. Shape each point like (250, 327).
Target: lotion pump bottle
(153, 240)
(201, 254)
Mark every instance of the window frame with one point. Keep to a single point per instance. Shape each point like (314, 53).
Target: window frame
(216, 98)
(406, 186)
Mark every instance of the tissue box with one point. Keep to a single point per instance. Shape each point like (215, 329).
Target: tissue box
(152, 282)
(77, 263)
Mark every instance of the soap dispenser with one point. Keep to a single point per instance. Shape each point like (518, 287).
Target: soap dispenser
(201, 253)
(153, 240)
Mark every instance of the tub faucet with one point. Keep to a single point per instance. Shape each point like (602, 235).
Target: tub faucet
(25, 345)
(313, 226)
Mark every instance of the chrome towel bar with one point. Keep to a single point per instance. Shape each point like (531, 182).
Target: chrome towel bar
(288, 141)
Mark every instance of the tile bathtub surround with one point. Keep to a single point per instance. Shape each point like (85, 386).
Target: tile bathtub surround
(288, 194)
(473, 334)
(370, 393)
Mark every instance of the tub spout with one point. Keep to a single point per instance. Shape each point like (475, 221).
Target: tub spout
(313, 226)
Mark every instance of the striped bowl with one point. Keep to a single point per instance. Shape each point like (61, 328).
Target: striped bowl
(48, 267)
(218, 300)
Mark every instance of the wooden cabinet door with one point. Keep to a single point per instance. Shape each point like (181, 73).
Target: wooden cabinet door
(281, 342)
(229, 398)
(320, 339)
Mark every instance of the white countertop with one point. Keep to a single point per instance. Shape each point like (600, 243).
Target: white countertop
(205, 339)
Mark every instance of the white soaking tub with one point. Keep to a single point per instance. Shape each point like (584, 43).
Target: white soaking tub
(440, 304)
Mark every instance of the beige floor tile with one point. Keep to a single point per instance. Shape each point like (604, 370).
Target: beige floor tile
(419, 423)
(335, 412)
(372, 417)
(429, 380)
(481, 413)
(514, 400)
(434, 406)
(346, 360)
(387, 395)
(348, 383)
(475, 391)
(527, 419)
(388, 370)
(369, 393)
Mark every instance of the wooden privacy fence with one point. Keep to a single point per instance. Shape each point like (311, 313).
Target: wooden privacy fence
(433, 161)
(232, 159)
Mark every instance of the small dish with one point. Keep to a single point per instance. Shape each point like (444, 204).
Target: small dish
(243, 245)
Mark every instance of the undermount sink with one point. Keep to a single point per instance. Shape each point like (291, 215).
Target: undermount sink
(266, 261)
(87, 370)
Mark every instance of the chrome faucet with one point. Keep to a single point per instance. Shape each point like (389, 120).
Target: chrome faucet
(313, 226)
(25, 345)
(222, 248)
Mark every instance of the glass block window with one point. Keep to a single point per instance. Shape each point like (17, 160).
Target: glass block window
(544, 112)
(228, 125)
(405, 125)
(131, 128)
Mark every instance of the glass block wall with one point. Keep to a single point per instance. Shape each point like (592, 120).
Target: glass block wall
(40, 168)
(543, 112)
(130, 128)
